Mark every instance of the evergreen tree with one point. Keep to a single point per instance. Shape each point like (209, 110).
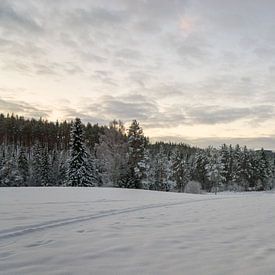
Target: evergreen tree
(226, 154)
(136, 161)
(37, 165)
(180, 170)
(9, 174)
(236, 167)
(245, 169)
(62, 169)
(264, 171)
(200, 172)
(23, 166)
(161, 172)
(112, 154)
(45, 169)
(215, 170)
(79, 171)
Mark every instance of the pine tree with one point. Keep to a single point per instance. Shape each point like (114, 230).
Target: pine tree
(23, 166)
(45, 169)
(215, 170)
(37, 165)
(226, 154)
(79, 172)
(264, 171)
(245, 169)
(112, 155)
(161, 171)
(200, 172)
(9, 174)
(236, 167)
(62, 169)
(180, 170)
(136, 161)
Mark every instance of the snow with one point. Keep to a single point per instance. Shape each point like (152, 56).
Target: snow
(119, 231)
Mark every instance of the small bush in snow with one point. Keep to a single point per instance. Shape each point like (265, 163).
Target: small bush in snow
(193, 187)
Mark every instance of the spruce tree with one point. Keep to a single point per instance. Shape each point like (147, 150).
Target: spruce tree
(9, 174)
(23, 166)
(236, 167)
(79, 172)
(264, 171)
(161, 171)
(37, 165)
(245, 171)
(136, 162)
(215, 170)
(180, 170)
(45, 168)
(200, 172)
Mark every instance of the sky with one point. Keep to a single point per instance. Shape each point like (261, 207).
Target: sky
(195, 71)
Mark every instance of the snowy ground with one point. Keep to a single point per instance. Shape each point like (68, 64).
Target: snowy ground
(114, 231)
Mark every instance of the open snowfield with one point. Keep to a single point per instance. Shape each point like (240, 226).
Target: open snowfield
(115, 231)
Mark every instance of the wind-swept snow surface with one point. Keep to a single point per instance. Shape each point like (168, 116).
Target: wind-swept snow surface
(115, 231)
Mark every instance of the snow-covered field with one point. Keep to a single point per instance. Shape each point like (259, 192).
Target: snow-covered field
(115, 231)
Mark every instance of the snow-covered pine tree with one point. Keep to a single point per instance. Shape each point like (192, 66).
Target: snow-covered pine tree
(54, 175)
(149, 170)
(23, 166)
(136, 161)
(215, 169)
(79, 170)
(161, 171)
(112, 154)
(9, 174)
(46, 168)
(180, 169)
(200, 172)
(264, 171)
(245, 169)
(236, 167)
(63, 168)
(36, 174)
(227, 160)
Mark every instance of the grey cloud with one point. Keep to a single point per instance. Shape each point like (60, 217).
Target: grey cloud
(134, 106)
(123, 108)
(71, 114)
(12, 19)
(96, 16)
(56, 69)
(267, 142)
(20, 49)
(128, 54)
(148, 111)
(104, 76)
(22, 108)
(158, 9)
(266, 52)
(217, 114)
(147, 26)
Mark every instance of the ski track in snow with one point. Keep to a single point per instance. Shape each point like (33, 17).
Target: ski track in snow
(15, 232)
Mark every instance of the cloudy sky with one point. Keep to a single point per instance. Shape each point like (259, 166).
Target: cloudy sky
(198, 71)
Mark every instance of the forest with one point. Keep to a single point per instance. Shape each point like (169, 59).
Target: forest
(42, 153)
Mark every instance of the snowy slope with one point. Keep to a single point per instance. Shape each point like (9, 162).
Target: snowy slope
(115, 231)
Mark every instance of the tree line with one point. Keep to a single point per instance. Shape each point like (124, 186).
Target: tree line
(41, 153)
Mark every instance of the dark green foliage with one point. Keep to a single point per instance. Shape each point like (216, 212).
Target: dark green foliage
(23, 166)
(136, 161)
(79, 170)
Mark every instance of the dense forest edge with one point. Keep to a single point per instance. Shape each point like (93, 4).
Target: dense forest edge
(42, 153)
